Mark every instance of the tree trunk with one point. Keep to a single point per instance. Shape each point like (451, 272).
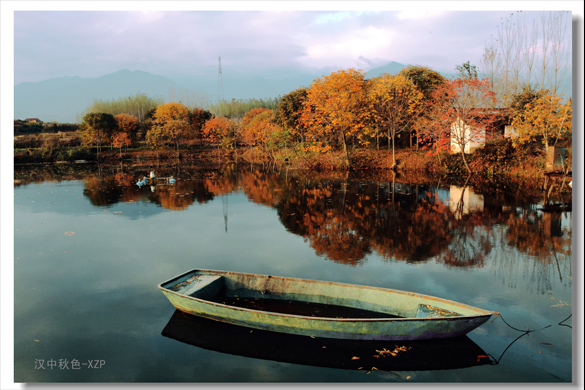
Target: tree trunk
(393, 153)
(345, 150)
(465, 161)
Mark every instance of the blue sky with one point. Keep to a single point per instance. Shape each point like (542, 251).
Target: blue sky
(299, 37)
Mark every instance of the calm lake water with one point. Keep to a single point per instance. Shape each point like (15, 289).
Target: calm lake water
(91, 248)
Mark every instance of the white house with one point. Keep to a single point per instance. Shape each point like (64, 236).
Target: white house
(473, 138)
(497, 126)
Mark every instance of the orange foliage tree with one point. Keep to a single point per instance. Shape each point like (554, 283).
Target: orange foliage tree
(259, 128)
(127, 124)
(127, 129)
(221, 130)
(120, 140)
(335, 109)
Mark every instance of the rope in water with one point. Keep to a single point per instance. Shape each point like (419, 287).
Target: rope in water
(520, 330)
(524, 333)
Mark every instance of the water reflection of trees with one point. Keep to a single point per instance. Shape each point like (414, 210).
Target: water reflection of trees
(344, 220)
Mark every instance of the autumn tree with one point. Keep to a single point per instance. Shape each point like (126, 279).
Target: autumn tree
(221, 130)
(427, 81)
(170, 124)
(521, 100)
(288, 113)
(396, 105)
(127, 124)
(335, 109)
(198, 117)
(120, 140)
(434, 127)
(97, 127)
(461, 112)
(259, 128)
(546, 118)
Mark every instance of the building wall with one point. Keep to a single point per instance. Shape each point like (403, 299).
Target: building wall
(474, 142)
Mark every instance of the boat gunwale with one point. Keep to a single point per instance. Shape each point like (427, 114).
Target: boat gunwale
(486, 313)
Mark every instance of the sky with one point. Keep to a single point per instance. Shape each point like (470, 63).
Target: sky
(290, 39)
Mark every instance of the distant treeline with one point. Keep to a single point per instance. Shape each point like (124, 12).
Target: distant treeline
(142, 106)
(34, 127)
(236, 109)
(138, 105)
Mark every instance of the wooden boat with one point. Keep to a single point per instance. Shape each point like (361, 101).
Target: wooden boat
(318, 308)
(391, 355)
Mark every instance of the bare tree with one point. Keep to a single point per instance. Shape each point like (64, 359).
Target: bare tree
(528, 48)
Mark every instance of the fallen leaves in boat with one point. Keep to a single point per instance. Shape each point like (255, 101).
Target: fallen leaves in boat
(385, 352)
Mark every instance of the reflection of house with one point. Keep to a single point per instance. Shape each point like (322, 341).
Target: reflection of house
(496, 126)
(552, 224)
(462, 200)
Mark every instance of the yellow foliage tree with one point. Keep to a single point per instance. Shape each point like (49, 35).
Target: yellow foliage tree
(546, 118)
(396, 104)
(170, 124)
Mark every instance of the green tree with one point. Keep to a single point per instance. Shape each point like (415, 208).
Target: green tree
(427, 81)
(98, 128)
(137, 105)
(467, 71)
(520, 101)
(198, 117)
(288, 113)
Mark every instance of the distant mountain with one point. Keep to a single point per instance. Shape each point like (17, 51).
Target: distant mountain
(391, 68)
(63, 99)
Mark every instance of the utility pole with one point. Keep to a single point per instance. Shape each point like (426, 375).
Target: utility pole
(219, 83)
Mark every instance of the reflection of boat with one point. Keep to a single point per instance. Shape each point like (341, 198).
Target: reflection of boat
(319, 309)
(411, 355)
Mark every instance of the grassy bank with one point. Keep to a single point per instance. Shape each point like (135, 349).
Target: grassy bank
(495, 159)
